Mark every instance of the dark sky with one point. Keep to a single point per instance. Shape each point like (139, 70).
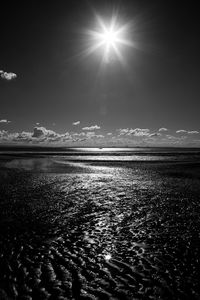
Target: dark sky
(42, 42)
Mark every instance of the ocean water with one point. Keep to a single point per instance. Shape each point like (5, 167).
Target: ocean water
(100, 224)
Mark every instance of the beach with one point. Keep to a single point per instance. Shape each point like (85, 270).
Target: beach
(77, 227)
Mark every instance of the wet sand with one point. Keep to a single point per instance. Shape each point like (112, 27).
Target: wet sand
(99, 231)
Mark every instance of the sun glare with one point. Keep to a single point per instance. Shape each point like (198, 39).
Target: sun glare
(109, 37)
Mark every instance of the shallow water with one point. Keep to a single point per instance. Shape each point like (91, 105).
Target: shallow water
(99, 230)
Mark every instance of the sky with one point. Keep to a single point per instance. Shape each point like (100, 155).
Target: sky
(56, 89)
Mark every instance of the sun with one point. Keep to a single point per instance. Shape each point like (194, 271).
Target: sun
(110, 37)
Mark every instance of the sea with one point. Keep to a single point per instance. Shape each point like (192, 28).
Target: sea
(99, 223)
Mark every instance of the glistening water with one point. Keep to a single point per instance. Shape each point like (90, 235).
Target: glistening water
(96, 225)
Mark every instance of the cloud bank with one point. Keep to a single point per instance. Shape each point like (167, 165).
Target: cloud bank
(123, 137)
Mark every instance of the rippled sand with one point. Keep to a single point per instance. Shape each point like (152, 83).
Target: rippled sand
(101, 231)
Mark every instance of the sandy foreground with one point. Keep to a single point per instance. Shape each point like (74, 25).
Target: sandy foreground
(99, 231)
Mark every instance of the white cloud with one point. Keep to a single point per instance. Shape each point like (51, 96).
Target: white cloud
(109, 133)
(163, 129)
(24, 136)
(39, 132)
(79, 134)
(5, 121)
(155, 134)
(93, 127)
(3, 133)
(140, 132)
(39, 135)
(175, 138)
(7, 75)
(43, 135)
(187, 131)
(7, 137)
(134, 132)
(193, 132)
(181, 131)
(123, 131)
(90, 133)
(76, 123)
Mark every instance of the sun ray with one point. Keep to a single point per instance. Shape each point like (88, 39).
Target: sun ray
(93, 48)
(119, 55)
(125, 42)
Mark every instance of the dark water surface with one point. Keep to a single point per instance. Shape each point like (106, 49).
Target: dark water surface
(101, 226)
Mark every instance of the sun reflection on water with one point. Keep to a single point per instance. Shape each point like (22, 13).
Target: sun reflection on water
(108, 256)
